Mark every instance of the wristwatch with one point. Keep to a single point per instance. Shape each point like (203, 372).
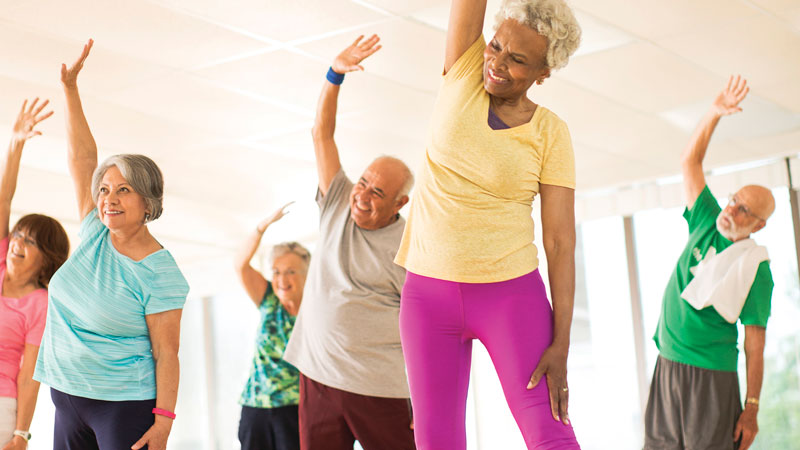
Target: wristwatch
(23, 434)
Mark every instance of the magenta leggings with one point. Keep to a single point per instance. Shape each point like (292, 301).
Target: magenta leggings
(514, 321)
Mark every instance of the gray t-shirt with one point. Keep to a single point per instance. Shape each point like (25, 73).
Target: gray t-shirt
(346, 335)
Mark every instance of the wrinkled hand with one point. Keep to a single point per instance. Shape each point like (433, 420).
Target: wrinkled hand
(27, 119)
(156, 437)
(746, 428)
(17, 443)
(69, 75)
(553, 365)
(727, 102)
(349, 59)
(276, 216)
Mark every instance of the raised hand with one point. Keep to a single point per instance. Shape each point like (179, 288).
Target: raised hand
(27, 119)
(349, 59)
(276, 216)
(727, 102)
(69, 75)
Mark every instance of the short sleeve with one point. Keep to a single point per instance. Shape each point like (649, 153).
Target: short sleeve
(469, 63)
(90, 225)
(167, 289)
(37, 319)
(703, 213)
(758, 304)
(558, 161)
(338, 190)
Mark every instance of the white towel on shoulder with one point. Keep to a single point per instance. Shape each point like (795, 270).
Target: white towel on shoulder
(723, 279)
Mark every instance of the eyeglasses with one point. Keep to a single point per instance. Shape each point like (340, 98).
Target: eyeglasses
(740, 208)
(27, 239)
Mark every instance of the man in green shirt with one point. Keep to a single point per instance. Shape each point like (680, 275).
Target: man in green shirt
(694, 398)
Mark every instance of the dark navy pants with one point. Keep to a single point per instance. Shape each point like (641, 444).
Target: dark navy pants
(269, 428)
(88, 424)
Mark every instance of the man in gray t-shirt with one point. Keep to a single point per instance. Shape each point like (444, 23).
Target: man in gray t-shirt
(346, 341)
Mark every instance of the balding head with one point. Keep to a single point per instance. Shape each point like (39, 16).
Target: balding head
(758, 199)
(746, 213)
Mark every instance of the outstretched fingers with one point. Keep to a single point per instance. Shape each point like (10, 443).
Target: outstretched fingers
(41, 107)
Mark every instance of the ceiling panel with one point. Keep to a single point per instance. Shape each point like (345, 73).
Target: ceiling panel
(762, 54)
(191, 100)
(412, 53)
(104, 71)
(280, 20)
(643, 77)
(283, 76)
(652, 19)
(139, 29)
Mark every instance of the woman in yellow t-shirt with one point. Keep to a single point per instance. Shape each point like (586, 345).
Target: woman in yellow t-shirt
(468, 243)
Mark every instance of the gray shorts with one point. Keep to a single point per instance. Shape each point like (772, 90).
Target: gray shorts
(691, 408)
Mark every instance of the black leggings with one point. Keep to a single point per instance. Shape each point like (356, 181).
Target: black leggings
(88, 424)
(269, 428)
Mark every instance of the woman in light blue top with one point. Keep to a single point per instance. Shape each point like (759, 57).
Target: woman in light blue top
(110, 346)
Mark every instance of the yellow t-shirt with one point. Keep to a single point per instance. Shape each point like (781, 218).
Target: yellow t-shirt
(470, 216)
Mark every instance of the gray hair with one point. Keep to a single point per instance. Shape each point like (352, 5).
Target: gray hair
(142, 174)
(553, 19)
(284, 248)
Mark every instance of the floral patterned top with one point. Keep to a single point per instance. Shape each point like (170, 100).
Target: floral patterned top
(273, 382)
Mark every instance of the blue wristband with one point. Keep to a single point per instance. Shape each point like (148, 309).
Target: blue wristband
(334, 77)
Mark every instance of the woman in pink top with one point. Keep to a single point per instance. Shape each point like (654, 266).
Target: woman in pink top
(29, 256)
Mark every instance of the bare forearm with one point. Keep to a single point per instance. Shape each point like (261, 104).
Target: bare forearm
(82, 147)
(8, 185)
(695, 150)
(755, 339)
(325, 120)
(561, 273)
(327, 153)
(167, 378)
(249, 248)
(27, 392)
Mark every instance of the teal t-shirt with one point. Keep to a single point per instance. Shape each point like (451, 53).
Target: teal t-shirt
(273, 382)
(702, 338)
(96, 343)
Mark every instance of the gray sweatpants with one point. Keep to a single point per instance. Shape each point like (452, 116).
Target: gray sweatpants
(691, 408)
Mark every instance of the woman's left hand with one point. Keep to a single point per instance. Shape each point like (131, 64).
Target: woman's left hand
(553, 365)
(156, 437)
(17, 443)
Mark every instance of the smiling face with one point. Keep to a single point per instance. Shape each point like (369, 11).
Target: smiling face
(513, 60)
(118, 205)
(24, 259)
(289, 277)
(373, 200)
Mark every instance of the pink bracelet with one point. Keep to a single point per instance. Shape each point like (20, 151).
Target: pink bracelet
(164, 412)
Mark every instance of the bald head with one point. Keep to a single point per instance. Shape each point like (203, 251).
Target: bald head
(395, 169)
(758, 199)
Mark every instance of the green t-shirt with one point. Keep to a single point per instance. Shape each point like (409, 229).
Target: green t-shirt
(702, 338)
(273, 382)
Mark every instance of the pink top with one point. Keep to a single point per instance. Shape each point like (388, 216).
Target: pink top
(21, 322)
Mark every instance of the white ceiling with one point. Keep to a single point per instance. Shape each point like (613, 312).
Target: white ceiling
(222, 95)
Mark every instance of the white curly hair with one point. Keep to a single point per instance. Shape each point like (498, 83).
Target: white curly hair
(552, 19)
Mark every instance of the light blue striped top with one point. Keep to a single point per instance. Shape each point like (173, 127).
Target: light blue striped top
(96, 343)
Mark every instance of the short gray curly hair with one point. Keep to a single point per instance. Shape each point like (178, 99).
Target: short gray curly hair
(142, 174)
(552, 19)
